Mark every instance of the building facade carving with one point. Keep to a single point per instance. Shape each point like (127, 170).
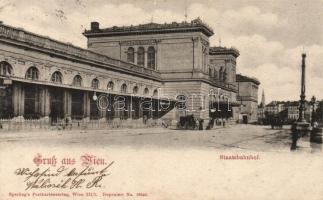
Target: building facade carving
(51, 80)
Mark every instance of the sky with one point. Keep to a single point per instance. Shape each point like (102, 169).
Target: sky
(270, 35)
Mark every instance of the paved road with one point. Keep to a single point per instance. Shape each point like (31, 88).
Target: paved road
(173, 164)
(249, 137)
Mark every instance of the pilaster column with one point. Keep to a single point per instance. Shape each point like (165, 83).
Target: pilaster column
(196, 53)
(146, 56)
(151, 109)
(157, 60)
(18, 100)
(129, 107)
(103, 112)
(140, 108)
(135, 56)
(67, 103)
(45, 102)
(86, 104)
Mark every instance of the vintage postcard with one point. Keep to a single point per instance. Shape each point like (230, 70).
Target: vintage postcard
(161, 99)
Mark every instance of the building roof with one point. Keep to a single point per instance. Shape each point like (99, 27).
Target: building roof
(196, 25)
(285, 103)
(224, 50)
(31, 40)
(292, 103)
(242, 78)
(273, 103)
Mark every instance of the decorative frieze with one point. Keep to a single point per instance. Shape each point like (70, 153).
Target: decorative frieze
(139, 42)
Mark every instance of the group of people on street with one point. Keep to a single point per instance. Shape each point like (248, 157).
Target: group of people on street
(191, 122)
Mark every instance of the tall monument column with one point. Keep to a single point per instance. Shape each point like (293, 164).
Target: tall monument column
(301, 127)
(302, 101)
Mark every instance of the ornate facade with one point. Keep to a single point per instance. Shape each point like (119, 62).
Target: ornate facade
(45, 79)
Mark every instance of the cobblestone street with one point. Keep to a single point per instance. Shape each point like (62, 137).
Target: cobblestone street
(247, 137)
(175, 164)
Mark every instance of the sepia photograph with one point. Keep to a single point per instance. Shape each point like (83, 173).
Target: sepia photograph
(161, 99)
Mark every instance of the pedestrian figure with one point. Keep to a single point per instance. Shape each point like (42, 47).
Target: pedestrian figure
(145, 118)
(197, 121)
(201, 124)
(295, 137)
(66, 122)
(212, 123)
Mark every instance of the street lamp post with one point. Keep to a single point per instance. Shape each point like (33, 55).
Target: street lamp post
(302, 101)
(301, 127)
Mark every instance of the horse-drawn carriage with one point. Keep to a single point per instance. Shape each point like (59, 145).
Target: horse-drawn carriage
(188, 122)
(276, 122)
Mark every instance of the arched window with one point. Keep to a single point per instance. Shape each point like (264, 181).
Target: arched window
(151, 58)
(124, 88)
(141, 56)
(5, 68)
(57, 77)
(155, 93)
(32, 73)
(110, 86)
(77, 81)
(131, 55)
(215, 74)
(146, 91)
(225, 75)
(221, 74)
(95, 83)
(135, 89)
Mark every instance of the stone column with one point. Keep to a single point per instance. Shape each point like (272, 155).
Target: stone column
(130, 107)
(151, 109)
(67, 104)
(135, 57)
(140, 112)
(18, 99)
(86, 104)
(302, 101)
(157, 64)
(129, 113)
(140, 109)
(103, 112)
(146, 56)
(45, 103)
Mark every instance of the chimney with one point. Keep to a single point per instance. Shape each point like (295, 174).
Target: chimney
(95, 26)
